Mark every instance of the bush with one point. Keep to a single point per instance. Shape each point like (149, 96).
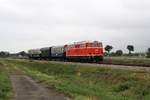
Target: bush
(119, 52)
(108, 48)
(123, 86)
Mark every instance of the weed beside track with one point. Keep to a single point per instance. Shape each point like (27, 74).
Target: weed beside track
(5, 85)
(128, 61)
(83, 82)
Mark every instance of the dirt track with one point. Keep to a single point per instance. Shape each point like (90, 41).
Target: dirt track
(27, 89)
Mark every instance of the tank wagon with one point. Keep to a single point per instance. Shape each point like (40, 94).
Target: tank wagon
(78, 51)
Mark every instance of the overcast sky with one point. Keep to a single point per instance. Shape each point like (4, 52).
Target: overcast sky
(26, 24)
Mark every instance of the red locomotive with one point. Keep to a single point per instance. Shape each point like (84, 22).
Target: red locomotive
(91, 51)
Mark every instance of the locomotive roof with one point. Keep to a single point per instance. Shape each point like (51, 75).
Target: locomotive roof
(83, 42)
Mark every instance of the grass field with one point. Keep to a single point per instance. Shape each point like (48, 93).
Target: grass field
(128, 60)
(82, 82)
(5, 86)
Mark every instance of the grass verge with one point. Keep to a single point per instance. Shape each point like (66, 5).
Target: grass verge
(5, 86)
(88, 83)
(127, 61)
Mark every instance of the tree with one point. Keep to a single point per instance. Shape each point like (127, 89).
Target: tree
(119, 53)
(108, 48)
(130, 48)
(22, 53)
(148, 53)
(4, 54)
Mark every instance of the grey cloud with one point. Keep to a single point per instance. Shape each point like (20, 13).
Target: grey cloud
(28, 24)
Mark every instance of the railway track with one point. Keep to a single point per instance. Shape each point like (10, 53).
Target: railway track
(138, 65)
(118, 64)
(104, 63)
(109, 65)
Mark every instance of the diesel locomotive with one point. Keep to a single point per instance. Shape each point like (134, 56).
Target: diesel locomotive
(78, 51)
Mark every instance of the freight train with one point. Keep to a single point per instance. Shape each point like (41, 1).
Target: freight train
(78, 51)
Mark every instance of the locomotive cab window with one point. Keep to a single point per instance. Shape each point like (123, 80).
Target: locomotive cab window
(90, 45)
(82, 45)
(94, 44)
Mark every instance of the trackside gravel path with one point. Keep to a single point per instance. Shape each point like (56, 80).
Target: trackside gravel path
(27, 89)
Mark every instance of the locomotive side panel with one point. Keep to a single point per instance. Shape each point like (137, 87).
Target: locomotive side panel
(85, 52)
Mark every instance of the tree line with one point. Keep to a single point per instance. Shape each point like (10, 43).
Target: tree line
(107, 48)
(21, 54)
(4, 54)
(130, 48)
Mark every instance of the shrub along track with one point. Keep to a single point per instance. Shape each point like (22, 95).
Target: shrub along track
(25, 88)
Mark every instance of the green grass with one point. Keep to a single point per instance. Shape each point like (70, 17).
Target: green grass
(128, 60)
(5, 86)
(82, 82)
